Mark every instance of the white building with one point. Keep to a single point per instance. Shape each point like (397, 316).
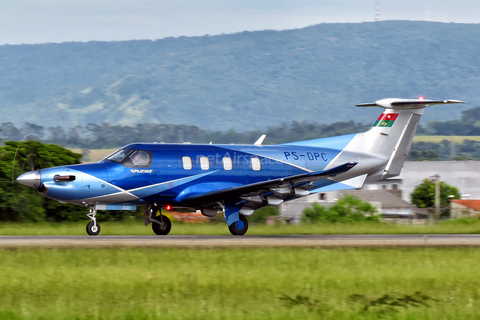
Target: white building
(464, 175)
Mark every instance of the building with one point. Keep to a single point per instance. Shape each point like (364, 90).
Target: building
(464, 208)
(464, 175)
(387, 203)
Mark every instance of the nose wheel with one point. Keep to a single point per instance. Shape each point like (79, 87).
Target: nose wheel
(93, 228)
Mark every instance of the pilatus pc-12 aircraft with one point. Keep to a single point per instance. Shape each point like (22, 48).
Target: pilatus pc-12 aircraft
(233, 179)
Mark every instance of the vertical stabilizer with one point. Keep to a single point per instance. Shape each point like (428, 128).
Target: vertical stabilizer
(384, 148)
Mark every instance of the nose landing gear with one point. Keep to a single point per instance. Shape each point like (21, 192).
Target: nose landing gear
(93, 228)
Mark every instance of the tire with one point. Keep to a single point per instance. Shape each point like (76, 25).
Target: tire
(91, 230)
(163, 228)
(239, 228)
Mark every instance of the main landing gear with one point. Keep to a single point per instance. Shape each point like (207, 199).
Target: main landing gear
(240, 227)
(93, 228)
(237, 223)
(161, 225)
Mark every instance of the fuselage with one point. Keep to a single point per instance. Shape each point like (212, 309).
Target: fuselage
(176, 172)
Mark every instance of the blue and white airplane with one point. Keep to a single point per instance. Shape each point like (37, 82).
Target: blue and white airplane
(233, 179)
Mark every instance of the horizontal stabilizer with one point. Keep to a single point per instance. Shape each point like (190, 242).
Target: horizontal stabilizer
(330, 185)
(406, 103)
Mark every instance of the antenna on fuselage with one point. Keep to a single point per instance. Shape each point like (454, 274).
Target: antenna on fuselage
(260, 140)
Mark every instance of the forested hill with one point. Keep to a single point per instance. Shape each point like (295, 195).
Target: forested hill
(243, 81)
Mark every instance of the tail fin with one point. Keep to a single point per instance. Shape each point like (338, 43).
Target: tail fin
(390, 138)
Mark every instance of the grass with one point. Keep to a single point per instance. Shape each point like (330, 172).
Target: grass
(438, 139)
(238, 283)
(465, 226)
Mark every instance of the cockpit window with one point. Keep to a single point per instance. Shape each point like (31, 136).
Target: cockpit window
(119, 155)
(139, 158)
(132, 158)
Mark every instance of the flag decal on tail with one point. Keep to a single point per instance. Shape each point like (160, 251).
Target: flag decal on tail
(386, 120)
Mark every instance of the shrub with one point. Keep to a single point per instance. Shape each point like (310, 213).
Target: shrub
(347, 209)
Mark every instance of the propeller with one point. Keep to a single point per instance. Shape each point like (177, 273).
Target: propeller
(31, 163)
(32, 178)
(25, 159)
(19, 192)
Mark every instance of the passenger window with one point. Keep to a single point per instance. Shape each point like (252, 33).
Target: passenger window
(187, 163)
(256, 164)
(227, 163)
(204, 163)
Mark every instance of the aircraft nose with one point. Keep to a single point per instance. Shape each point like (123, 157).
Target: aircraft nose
(30, 179)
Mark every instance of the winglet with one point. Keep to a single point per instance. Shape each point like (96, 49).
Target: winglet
(260, 140)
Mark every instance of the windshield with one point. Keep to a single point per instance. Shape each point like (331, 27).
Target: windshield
(131, 158)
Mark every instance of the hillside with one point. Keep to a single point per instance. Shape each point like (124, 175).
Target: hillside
(243, 81)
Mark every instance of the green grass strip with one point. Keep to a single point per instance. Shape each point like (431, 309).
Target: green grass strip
(462, 226)
(240, 284)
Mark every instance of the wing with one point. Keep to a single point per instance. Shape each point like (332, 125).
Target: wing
(258, 192)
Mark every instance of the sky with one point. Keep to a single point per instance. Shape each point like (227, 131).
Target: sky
(44, 21)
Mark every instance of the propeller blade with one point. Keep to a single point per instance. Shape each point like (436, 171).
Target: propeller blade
(13, 164)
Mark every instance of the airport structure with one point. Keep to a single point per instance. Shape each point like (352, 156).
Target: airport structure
(392, 196)
(465, 208)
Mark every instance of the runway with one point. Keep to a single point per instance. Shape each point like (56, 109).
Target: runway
(178, 241)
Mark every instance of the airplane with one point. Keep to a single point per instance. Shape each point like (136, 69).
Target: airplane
(233, 179)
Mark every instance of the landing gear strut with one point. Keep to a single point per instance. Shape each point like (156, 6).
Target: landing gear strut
(93, 228)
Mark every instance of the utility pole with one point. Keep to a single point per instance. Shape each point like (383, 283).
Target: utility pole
(378, 12)
(436, 179)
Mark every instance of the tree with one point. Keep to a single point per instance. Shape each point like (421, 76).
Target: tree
(263, 213)
(424, 196)
(423, 155)
(18, 202)
(347, 209)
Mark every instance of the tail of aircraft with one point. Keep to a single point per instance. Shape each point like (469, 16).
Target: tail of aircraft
(383, 149)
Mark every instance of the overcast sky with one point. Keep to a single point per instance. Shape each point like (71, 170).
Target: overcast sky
(41, 21)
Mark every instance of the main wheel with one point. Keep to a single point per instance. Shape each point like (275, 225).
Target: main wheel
(239, 228)
(163, 226)
(93, 229)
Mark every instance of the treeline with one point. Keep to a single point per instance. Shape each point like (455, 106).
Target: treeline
(93, 136)
(468, 125)
(105, 136)
(445, 150)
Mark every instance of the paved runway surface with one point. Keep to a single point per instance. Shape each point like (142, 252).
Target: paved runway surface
(438, 240)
